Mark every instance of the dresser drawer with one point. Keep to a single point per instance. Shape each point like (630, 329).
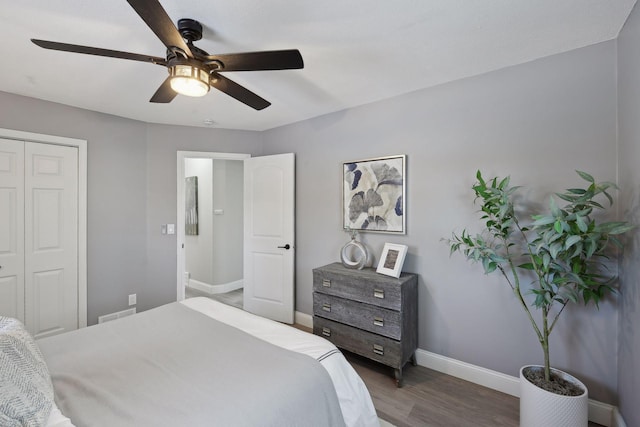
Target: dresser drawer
(360, 285)
(364, 316)
(367, 344)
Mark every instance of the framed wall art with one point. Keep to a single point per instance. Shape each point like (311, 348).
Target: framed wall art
(191, 206)
(373, 195)
(392, 259)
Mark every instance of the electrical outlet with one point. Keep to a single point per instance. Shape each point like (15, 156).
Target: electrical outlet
(132, 299)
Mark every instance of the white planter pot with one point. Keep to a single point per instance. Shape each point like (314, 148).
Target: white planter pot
(540, 408)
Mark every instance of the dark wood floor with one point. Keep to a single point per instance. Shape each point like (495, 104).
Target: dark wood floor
(430, 398)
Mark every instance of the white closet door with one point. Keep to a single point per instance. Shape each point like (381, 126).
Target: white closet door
(51, 238)
(12, 229)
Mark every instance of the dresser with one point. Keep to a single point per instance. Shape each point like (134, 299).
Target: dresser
(367, 313)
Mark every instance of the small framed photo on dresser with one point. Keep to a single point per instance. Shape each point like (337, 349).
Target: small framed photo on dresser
(392, 259)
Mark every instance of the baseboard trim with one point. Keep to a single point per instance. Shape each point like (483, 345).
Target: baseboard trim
(599, 413)
(215, 289)
(468, 372)
(303, 319)
(617, 420)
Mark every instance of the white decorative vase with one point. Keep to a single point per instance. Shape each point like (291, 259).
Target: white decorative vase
(541, 408)
(355, 254)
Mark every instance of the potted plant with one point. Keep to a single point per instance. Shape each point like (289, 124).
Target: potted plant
(564, 252)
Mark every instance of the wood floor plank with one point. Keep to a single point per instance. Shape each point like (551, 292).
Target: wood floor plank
(433, 399)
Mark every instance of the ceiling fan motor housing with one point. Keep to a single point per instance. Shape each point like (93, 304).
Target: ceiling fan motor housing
(190, 29)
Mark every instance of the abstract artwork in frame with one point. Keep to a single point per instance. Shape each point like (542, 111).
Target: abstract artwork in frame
(373, 195)
(191, 206)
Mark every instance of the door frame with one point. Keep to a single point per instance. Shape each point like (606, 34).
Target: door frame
(81, 145)
(180, 237)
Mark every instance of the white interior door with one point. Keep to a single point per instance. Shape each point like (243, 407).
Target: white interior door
(51, 238)
(269, 204)
(12, 229)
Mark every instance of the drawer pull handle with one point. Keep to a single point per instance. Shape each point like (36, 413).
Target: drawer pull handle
(326, 332)
(326, 283)
(378, 293)
(378, 321)
(378, 349)
(326, 307)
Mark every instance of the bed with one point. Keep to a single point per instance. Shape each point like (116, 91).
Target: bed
(194, 362)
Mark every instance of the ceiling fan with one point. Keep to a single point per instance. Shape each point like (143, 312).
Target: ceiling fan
(192, 71)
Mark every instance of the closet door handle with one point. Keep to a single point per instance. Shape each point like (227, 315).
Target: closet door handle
(287, 247)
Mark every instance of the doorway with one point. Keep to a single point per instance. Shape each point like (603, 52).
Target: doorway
(210, 230)
(268, 196)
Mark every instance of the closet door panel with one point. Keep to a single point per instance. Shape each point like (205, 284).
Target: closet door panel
(12, 296)
(51, 236)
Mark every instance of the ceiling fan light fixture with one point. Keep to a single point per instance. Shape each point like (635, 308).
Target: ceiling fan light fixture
(189, 79)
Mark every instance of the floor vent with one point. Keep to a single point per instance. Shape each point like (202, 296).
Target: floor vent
(114, 316)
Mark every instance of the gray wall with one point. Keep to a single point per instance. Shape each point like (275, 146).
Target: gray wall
(214, 256)
(131, 192)
(629, 159)
(537, 122)
(228, 228)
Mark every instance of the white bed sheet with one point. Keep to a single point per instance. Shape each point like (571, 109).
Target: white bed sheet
(56, 419)
(353, 396)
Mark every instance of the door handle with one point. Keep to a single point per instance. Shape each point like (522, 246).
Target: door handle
(287, 247)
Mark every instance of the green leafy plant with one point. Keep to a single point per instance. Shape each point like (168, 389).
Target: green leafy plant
(564, 250)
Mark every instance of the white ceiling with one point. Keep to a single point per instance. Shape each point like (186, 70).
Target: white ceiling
(355, 52)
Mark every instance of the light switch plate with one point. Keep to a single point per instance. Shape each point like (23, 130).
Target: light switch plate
(132, 299)
(171, 229)
(163, 229)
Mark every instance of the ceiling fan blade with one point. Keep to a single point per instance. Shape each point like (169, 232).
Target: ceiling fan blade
(258, 61)
(238, 92)
(164, 94)
(154, 15)
(98, 52)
